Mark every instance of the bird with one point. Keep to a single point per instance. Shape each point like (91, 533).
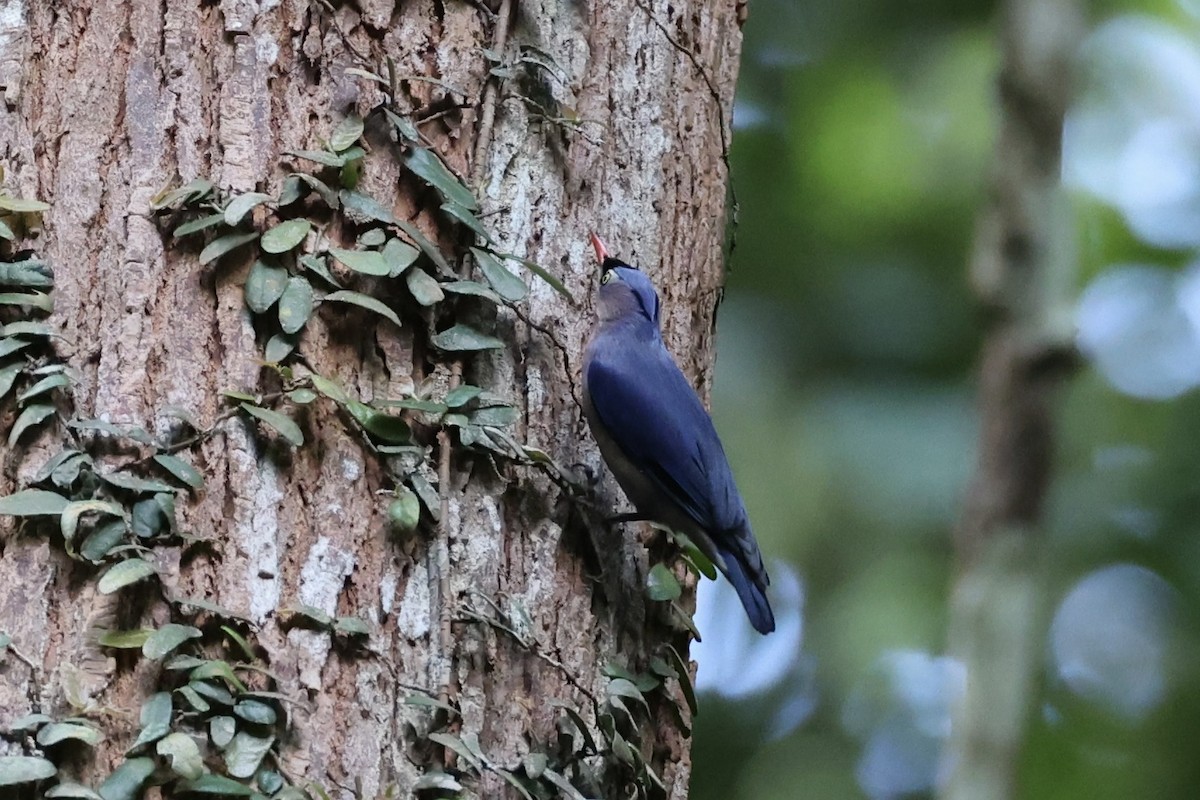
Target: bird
(658, 439)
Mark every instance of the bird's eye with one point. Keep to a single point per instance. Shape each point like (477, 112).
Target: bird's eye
(608, 276)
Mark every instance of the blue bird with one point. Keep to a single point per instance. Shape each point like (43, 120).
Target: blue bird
(658, 439)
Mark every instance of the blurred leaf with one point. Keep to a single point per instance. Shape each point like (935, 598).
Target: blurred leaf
(471, 288)
(368, 262)
(427, 247)
(19, 205)
(164, 640)
(46, 384)
(346, 133)
(404, 512)
(455, 744)
(282, 424)
(57, 732)
(264, 285)
(102, 540)
(363, 301)
(69, 789)
(182, 754)
(135, 484)
(221, 729)
(542, 273)
(211, 783)
(223, 244)
(71, 514)
(198, 224)
(38, 300)
(429, 167)
(279, 347)
(32, 416)
(182, 470)
(245, 753)
(255, 711)
(126, 781)
(295, 304)
(464, 338)
(467, 218)
(16, 770)
(188, 193)
(424, 289)
(661, 584)
(242, 204)
(125, 640)
(506, 284)
(29, 272)
(286, 235)
(33, 502)
(123, 574)
(400, 256)
(155, 719)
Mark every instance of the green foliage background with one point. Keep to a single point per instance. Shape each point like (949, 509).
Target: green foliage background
(846, 383)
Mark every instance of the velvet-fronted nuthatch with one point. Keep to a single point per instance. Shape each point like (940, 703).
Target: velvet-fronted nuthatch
(658, 439)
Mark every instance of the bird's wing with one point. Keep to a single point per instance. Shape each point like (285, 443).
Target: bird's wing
(653, 414)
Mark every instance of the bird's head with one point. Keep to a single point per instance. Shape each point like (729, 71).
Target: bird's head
(624, 291)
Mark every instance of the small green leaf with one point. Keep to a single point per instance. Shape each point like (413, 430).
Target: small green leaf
(8, 376)
(33, 502)
(424, 289)
(125, 640)
(351, 626)
(564, 785)
(403, 125)
(328, 195)
(164, 640)
(183, 754)
(217, 669)
(542, 273)
(428, 494)
(400, 256)
(71, 514)
(392, 430)
(292, 190)
(46, 384)
(279, 347)
(182, 470)
(661, 584)
(683, 675)
(223, 244)
(155, 720)
(123, 574)
(464, 338)
(57, 732)
(437, 780)
(467, 218)
(461, 395)
(28, 328)
(425, 164)
(282, 424)
(221, 729)
(373, 237)
(188, 193)
(363, 301)
(264, 285)
(194, 699)
(346, 133)
(295, 305)
(302, 396)
(38, 300)
(30, 272)
(7, 348)
(313, 614)
(19, 205)
(214, 784)
(366, 207)
(32, 416)
(454, 743)
(6, 232)
(329, 388)
(506, 284)
(472, 288)
(245, 753)
(404, 513)
(69, 789)
(126, 781)
(241, 642)
(133, 483)
(242, 204)
(319, 156)
(285, 235)
(102, 540)
(15, 770)
(427, 247)
(256, 712)
(368, 262)
(198, 224)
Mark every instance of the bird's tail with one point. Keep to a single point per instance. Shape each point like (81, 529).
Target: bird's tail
(744, 569)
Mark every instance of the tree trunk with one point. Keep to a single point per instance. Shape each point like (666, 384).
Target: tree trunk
(517, 601)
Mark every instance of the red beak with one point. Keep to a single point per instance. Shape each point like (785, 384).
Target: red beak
(598, 246)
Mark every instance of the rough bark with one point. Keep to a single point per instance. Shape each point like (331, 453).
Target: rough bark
(106, 103)
(1022, 270)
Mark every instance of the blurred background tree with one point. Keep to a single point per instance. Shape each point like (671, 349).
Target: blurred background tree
(846, 394)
